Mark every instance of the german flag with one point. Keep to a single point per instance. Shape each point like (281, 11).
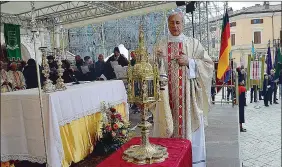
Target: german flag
(225, 47)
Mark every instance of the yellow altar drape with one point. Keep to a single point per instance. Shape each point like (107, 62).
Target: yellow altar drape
(79, 137)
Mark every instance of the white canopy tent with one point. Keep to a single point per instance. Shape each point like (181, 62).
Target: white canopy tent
(69, 15)
(77, 13)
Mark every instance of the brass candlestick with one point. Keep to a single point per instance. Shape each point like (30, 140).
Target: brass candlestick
(60, 85)
(144, 90)
(48, 85)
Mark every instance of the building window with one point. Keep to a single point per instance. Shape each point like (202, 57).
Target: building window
(232, 39)
(233, 24)
(257, 37)
(213, 42)
(256, 21)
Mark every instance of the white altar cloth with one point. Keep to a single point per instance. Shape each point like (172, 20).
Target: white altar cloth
(21, 125)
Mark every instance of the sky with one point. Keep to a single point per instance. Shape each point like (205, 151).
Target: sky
(240, 5)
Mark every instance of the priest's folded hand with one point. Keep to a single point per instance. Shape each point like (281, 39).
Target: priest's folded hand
(160, 53)
(182, 60)
(5, 83)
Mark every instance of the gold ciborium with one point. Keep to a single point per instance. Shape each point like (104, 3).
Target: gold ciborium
(144, 90)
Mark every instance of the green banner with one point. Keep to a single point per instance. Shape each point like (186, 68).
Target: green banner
(13, 41)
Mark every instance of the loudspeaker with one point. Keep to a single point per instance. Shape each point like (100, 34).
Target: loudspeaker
(190, 7)
(180, 3)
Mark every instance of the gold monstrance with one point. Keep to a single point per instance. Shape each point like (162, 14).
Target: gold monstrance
(144, 89)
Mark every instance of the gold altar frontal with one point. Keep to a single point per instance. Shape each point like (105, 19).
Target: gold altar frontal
(79, 136)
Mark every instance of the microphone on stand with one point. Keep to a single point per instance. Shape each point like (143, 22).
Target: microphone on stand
(74, 79)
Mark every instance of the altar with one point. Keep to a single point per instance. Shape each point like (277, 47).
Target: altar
(71, 118)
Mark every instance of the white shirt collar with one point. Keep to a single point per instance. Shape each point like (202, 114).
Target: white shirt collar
(179, 38)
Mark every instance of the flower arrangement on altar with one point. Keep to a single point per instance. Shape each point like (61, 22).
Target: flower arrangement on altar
(114, 133)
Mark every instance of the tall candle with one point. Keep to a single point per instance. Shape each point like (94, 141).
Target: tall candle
(42, 37)
(58, 37)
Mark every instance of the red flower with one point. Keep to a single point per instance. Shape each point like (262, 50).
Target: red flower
(115, 126)
(113, 116)
(112, 110)
(108, 128)
(118, 116)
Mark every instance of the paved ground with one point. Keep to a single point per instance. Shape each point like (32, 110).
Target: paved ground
(261, 145)
(222, 137)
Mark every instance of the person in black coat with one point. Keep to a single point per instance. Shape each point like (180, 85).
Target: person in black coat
(213, 90)
(242, 101)
(274, 86)
(53, 69)
(266, 90)
(88, 63)
(99, 66)
(254, 90)
(241, 79)
(78, 72)
(30, 74)
(109, 71)
(68, 75)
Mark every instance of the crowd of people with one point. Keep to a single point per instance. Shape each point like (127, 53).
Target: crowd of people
(267, 92)
(18, 76)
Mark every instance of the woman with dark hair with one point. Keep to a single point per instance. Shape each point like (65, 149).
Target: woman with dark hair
(30, 74)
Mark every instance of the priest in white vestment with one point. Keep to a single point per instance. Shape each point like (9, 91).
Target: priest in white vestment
(189, 72)
(6, 82)
(17, 77)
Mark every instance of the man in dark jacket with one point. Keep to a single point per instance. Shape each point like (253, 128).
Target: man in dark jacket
(99, 66)
(88, 64)
(273, 88)
(266, 90)
(109, 71)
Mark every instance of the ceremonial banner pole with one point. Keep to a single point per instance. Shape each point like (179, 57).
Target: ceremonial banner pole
(34, 31)
(103, 40)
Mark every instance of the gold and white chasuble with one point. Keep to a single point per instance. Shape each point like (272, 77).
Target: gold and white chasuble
(187, 94)
(18, 79)
(5, 78)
